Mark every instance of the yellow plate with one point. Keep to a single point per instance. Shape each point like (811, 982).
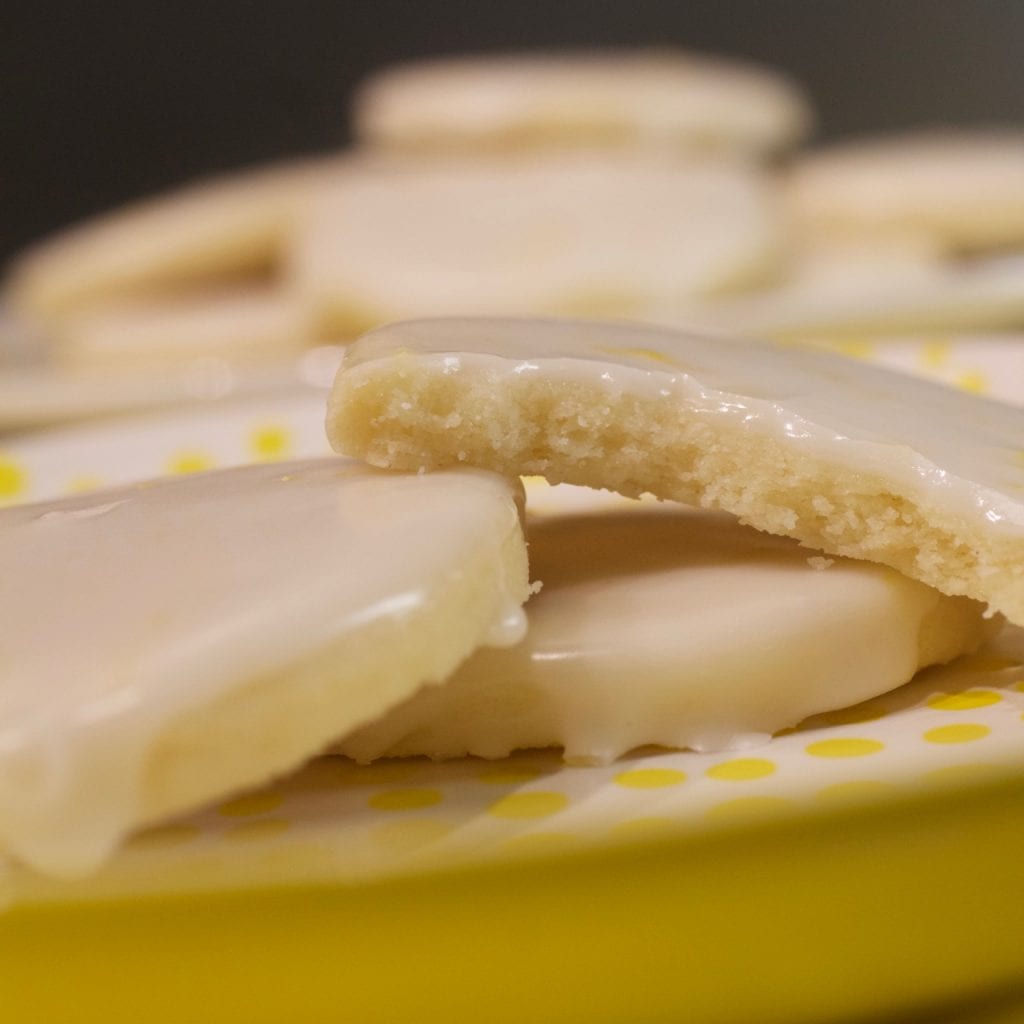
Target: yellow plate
(807, 918)
(868, 861)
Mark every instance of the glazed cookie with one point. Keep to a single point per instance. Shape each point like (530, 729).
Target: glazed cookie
(42, 394)
(965, 188)
(168, 643)
(570, 234)
(847, 458)
(633, 641)
(224, 228)
(243, 324)
(887, 295)
(655, 98)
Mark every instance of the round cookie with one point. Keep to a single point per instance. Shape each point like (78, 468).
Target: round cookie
(829, 265)
(171, 642)
(642, 98)
(965, 189)
(224, 228)
(585, 234)
(847, 458)
(666, 625)
(37, 395)
(242, 325)
(885, 295)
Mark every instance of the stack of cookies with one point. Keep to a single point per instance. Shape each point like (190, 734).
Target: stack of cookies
(647, 185)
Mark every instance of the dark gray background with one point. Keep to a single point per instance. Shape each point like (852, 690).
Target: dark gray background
(111, 99)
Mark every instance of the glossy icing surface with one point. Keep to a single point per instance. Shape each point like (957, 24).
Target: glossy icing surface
(952, 450)
(658, 624)
(124, 610)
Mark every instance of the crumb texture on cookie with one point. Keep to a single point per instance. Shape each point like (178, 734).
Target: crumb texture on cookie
(844, 457)
(236, 623)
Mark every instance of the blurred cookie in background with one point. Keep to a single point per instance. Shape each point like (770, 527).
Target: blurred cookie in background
(629, 98)
(963, 188)
(246, 324)
(822, 263)
(898, 298)
(585, 234)
(223, 229)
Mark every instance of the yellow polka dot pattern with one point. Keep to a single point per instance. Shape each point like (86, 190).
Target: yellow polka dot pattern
(13, 479)
(964, 732)
(964, 701)
(843, 746)
(84, 483)
(399, 815)
(856, 348)
(530, 804)
(741, 769)
(952, 727)
(973, 381)
(405, 799)
(935, 353)
(271, 441)
(189, 461)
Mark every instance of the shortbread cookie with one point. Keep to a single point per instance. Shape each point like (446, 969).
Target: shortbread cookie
(36, 395)
(964, 188)
(168, 643)
(567, 234)
(824, 264)
(971, 296)
(844, 457)
(633, 640)
(242, 325)
(659, 98)
(213, 230)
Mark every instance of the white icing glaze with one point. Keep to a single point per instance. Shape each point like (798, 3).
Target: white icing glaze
(953, 450)
(552, 233)
(667, 625)
(122, 611)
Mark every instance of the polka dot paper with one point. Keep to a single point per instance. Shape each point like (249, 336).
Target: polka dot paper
(335, 820)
